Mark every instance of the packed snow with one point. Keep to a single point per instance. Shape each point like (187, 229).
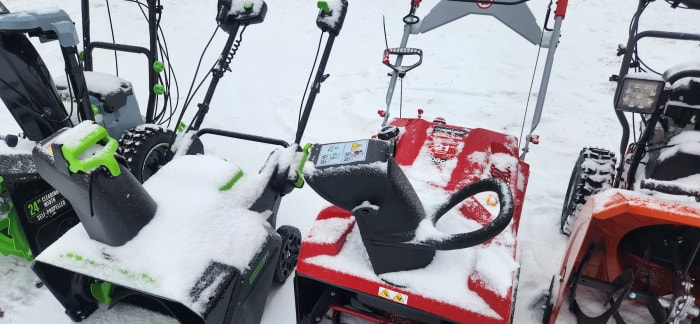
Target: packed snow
(475, 73)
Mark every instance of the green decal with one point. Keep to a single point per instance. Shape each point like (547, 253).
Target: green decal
(95, 111)
(248, 6)
(102, 292)
(323, 5)
(33, 208)
(158, 66)
(181, 127)
(158, 89)
(256, 272)
(12, 238)
(233, 181)
(81, 55)
(103, 157)
(300, 169)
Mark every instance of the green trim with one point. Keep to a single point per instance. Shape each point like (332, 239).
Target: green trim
(12, 238)
(323, 5)
(102, 292)
(233, 181)
(181, 127)
(158, 89)
(129, 275)
(103, 157)
(259, 267)
(95, 111)
(300, 169)
(158, 66)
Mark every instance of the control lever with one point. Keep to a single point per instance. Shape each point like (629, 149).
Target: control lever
(10, 140)
(402, 69)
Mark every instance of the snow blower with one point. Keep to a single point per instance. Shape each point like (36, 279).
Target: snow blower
(378, 252)
(35, 214)
(135, 246)
(635, 228)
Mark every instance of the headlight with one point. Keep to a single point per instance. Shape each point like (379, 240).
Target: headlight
(639, 93)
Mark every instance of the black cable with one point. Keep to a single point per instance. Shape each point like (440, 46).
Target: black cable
(190, 93)
(219, 70)
(386, 39)
(313, 67)
(111, 28)
(532, 81)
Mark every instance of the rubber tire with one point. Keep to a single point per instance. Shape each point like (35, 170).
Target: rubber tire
(289, 252)
(586, 181)
(145, 149)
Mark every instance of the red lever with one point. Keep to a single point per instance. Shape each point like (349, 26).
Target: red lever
(535, 139)
(420, 113)
(561, 8)
(381, 113)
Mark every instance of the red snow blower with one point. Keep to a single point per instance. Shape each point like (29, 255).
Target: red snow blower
(385, 252)
(635, 231)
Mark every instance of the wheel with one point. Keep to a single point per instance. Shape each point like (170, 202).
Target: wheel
(145, 148)
(289, 252)
(593, 172)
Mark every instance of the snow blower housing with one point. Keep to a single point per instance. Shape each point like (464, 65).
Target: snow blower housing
(36, 214)
(418, 196)
(635, 229)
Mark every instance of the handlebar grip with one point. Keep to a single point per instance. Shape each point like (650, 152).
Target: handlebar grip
(405, 51)
(402, 51)
(465, 240)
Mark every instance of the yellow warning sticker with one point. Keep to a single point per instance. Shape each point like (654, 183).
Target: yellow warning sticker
(491, 200)
(355, 146)
(392, 295)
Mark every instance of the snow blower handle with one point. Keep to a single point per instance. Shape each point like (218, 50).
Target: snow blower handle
(671, 188)
(331, 17)
(465, 240)
(402, 69)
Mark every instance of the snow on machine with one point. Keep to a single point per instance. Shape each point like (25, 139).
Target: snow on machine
(425, 218)
(143, 243)
(634, 225)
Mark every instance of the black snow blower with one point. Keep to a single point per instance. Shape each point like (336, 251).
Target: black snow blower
(136, 244)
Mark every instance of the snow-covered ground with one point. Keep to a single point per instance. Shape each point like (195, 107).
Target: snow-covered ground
(476, 73)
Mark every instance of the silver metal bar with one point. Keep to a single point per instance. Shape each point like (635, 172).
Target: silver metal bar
(553, 42)
(395, 74)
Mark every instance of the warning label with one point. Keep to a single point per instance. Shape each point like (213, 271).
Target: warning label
(49, 204)
(392, 295)
(450, 131)
(342, 153)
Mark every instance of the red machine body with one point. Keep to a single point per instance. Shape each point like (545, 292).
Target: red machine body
(461, 156)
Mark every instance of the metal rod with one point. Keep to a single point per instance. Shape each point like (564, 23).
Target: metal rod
(247, 137)
(544, 83)
(395, 74)
(153, 8)
(85, 9)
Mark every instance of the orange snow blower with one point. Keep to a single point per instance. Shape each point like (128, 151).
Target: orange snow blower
(635, 229)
